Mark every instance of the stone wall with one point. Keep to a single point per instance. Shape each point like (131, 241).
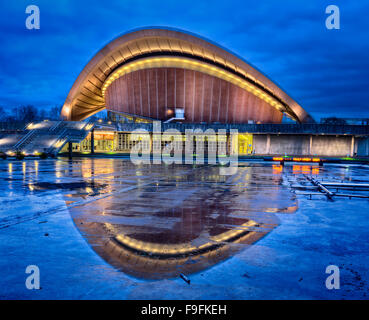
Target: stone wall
(332, 146)
(304, 145)
(289, 144)
(362, 146)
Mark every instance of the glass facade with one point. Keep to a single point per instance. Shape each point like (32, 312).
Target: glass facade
(123, 142)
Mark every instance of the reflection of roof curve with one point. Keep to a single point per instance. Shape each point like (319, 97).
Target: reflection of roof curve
(159, 47)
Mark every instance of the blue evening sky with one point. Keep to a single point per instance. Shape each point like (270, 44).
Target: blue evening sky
(326, 71)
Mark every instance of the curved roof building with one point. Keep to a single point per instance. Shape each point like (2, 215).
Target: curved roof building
(150, 72)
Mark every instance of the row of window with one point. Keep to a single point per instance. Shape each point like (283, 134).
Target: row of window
(124, 142)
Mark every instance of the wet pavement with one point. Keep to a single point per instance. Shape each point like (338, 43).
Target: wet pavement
(108, 229)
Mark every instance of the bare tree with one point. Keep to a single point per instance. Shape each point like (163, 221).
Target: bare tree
(54, 113)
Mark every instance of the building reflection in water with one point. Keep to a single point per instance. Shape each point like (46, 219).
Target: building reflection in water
(305, 169)
(297, 169)
(156, 221)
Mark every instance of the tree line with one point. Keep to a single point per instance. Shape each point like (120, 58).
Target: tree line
(29, 113)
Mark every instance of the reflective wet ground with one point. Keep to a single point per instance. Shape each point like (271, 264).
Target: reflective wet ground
(160, 221)
(135, 224)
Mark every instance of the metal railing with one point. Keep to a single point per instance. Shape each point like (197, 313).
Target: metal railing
(25, 140)
(70, 134)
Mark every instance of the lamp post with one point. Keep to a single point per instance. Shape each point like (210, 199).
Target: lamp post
(92, 141)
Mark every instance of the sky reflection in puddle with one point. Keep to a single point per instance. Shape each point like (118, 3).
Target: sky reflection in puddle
(157, 221)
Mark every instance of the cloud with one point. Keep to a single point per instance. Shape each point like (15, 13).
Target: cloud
(326, 71)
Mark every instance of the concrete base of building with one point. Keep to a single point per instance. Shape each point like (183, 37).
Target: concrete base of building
(305, 145)
(258, 140)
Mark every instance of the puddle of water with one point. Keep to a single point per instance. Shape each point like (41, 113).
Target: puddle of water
(157, 221)
(179, 219)
(78, 189)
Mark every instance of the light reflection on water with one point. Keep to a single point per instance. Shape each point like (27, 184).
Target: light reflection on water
(159, 221)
